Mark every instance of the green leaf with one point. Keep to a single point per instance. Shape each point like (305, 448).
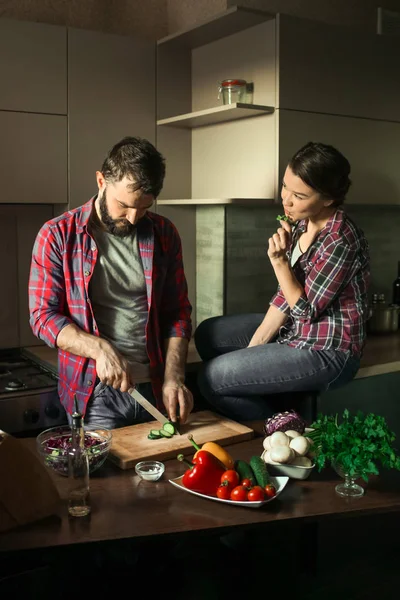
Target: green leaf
(358, 441)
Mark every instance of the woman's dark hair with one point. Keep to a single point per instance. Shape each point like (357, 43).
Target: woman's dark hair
(138, 159)
(324, 169)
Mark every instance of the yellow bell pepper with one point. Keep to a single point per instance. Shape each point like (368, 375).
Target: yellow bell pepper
(216, 450)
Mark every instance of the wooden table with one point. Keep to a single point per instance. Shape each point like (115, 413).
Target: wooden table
(125, 507)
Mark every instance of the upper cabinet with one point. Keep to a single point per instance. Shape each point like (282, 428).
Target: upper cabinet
(33, 158)
(337, 70)
(33, 67)
(111, 94)
(217, 151)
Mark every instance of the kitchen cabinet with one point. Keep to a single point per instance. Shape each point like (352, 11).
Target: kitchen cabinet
(33, 165)
(344, 94)
(337, 70)
(371, 145)
(111, 94)
(33, 68)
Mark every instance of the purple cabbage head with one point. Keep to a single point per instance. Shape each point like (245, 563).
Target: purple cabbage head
(285, 421)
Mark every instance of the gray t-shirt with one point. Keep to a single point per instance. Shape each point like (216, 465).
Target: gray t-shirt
(118, 295)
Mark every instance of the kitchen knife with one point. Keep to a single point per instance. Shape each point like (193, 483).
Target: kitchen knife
(151, 409)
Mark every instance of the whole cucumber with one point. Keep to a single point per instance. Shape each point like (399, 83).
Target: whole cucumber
(245, 471)
(260, 471)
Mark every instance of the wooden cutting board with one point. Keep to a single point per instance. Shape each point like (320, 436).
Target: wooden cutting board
(131, 444)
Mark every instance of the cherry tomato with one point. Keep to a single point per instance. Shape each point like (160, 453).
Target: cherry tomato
(270, 490)
(247, 483)
(256, 494)
(231, 477)
(239, 493)
(224, 492)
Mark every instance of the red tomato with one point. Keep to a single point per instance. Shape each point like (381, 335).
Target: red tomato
(239, 493)
(270, 490)
(231, 477)
(247, 483)
(224, 492)
(256, 494)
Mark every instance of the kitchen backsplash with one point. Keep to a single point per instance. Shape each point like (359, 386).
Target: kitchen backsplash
(233, 271)
(249, 281)
(18, 228)
(210, 245)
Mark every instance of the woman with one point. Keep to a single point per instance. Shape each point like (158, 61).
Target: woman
(312, 336)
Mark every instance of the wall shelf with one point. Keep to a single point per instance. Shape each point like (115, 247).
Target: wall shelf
(210, 201)
(231, 21)
(218, 114)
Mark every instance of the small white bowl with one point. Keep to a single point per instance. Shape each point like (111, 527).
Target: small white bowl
(292, 471)
(150, 470)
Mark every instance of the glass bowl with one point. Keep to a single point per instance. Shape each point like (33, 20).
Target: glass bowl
(349, 488)
(150, 470)
(52, 445)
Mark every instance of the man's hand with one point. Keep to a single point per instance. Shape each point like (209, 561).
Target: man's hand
(279, 243)
(177, 394)
(112, 368)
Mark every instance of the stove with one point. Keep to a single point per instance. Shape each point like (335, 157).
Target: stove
(28, 394)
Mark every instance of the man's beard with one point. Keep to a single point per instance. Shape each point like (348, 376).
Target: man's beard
(118, 227)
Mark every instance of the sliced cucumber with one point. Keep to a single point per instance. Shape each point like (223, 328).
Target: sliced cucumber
(170, 427)
(155, 433)
(153, 437)
(165, 433)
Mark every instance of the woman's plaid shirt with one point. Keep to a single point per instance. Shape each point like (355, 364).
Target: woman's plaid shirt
(335, 275)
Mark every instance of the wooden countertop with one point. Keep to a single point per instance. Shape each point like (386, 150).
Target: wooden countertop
(381, 355)
(123, 506)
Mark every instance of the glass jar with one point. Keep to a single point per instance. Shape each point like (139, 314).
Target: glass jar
(232, 90)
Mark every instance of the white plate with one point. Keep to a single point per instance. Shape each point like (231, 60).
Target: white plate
(278, 482)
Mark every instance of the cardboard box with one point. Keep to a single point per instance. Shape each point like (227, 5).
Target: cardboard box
(27, 491)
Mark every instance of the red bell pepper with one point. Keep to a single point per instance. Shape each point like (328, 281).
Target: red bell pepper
(204, 473)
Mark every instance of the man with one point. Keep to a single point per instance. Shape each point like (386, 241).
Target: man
(108, 289)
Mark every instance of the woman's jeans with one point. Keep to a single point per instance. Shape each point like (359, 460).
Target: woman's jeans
(251, 383)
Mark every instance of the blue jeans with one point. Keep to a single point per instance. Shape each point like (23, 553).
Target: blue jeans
(111, 409)
(253, 383)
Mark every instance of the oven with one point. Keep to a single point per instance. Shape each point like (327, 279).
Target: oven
(29, 400)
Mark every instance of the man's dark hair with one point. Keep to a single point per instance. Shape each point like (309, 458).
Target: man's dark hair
(324, 169)
(138, 159)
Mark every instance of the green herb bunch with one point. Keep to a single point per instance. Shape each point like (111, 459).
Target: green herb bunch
(357, 443)
(283, 218)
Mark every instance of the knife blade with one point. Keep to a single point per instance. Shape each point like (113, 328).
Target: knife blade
(150, 408)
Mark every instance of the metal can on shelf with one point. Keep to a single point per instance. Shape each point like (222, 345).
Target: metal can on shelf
(232, 90)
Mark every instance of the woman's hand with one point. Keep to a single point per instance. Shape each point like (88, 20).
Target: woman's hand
(279, 244)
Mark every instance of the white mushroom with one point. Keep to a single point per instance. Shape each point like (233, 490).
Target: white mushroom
(267, 458)
(300, 445)
(278, 438)
(292, 433)
(282, 454)
(267, 443)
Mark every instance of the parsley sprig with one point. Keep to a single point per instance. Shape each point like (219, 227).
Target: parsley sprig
(358, 442)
